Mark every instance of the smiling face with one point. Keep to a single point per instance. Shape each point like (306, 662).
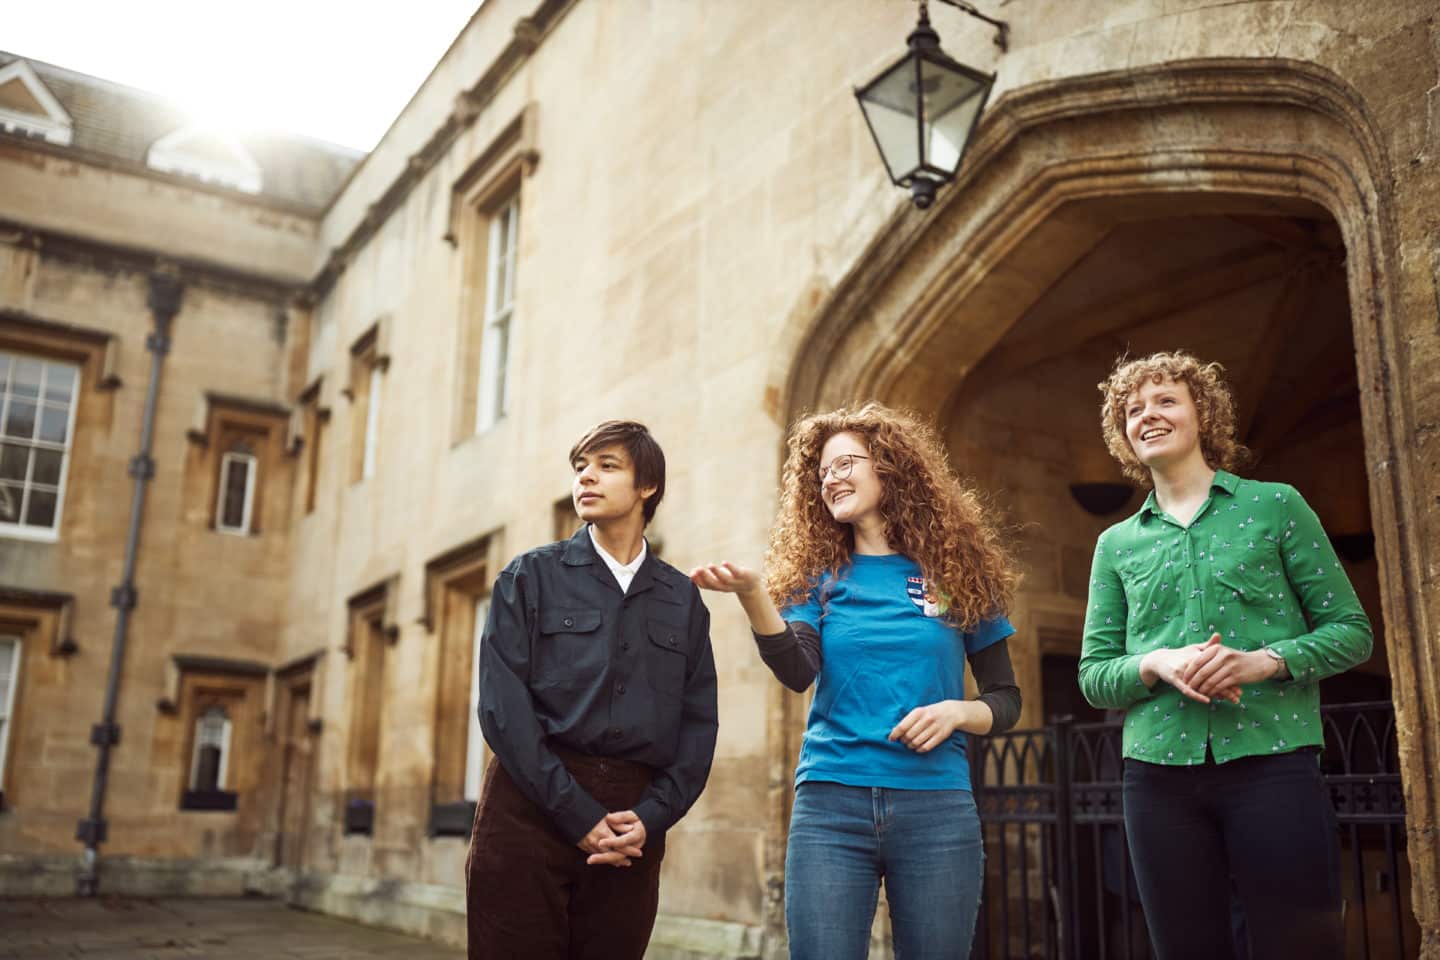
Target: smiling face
(603, 488)
(1162, 424)
(855, 499)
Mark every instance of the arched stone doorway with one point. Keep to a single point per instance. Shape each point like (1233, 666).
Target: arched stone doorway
(1168, 206)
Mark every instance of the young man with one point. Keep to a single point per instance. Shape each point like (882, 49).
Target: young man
(597, 697)
(1214, 613)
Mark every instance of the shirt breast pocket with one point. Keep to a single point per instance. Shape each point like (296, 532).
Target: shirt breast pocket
(1147, 580)
(665, 661)
(571, 649)
(1254, 576)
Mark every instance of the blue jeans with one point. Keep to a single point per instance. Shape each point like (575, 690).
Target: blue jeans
(925, 844)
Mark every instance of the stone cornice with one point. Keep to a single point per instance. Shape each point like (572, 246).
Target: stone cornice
(109, 256)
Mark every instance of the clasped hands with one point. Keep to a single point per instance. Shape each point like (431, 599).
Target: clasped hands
(615, 841)
(1202, 671)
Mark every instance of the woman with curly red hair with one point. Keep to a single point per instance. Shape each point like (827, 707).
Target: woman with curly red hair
(1214, 612)
(884, 575)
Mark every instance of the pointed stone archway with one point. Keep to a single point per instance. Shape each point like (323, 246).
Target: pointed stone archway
(925, 314)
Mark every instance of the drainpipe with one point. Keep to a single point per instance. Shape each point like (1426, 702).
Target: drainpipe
(164, 302)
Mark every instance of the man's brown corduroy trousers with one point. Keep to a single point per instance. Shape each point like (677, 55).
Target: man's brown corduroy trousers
(530, 895)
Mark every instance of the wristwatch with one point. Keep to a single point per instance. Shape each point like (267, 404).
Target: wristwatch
(1283, 671)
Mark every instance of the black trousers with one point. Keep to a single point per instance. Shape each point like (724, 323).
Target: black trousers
(1266, 823)
(530, 895)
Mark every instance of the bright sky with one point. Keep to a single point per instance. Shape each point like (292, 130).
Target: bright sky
(333, 69)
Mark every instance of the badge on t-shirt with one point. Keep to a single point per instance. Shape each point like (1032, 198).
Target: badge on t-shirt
(929, 599)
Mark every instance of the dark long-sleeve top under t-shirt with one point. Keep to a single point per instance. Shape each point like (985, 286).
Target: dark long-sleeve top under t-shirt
(570, 659)
(876, 640)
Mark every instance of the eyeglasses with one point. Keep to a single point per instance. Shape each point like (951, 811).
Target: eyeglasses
(840, 467)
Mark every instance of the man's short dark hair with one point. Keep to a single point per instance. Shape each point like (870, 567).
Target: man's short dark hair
(645, 455)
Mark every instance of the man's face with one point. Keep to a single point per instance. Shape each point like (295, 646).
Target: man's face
(604, 485)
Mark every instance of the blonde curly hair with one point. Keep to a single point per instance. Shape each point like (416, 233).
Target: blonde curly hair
(1213, 403)
(930, 516)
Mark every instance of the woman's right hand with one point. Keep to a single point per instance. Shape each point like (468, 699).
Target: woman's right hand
(1169, 665)
(726, 578)
(748, 586)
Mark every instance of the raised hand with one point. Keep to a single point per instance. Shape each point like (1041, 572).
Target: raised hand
(725, 577)
(747, 586)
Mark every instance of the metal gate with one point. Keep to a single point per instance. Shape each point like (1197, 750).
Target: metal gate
(1058, 882)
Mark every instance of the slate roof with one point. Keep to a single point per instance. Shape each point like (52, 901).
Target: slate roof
(122, 122)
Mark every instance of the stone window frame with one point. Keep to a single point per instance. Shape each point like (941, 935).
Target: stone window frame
(370, 636)
(224, 425)
(563, 518)
(314, 412)
(457, 587)
(45, 616)
(41, 621)
(9, 685)
(96, 355)
(195, 684)
(369, 362)
(489, 187)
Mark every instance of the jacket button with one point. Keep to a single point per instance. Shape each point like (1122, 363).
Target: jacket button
(671, 639)
(614, 733)
(569, 621)
(624, 644)
(619, 688)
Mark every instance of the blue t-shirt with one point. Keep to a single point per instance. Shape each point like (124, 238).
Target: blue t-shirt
(885, 650)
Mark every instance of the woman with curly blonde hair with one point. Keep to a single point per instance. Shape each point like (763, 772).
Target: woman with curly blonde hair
(1214, 612)
(884, 575)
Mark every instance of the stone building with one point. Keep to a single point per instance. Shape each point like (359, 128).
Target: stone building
(674, 212)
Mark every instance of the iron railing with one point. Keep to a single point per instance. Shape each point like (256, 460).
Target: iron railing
(1058, 880)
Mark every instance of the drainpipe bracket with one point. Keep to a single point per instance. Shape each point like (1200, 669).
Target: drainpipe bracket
(157, 343)
(105, 734)
(124, 597)
(142, 466)
(92, 833)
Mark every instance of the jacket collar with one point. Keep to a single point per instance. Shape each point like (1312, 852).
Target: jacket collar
(580, 552)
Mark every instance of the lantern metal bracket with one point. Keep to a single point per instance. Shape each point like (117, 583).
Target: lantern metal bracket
(1002, 29)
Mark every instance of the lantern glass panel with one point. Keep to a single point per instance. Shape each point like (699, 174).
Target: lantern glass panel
(889, 104)
(952, 101)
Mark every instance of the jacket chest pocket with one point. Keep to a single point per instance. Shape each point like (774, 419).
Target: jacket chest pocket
(570, 651)
(665, 659)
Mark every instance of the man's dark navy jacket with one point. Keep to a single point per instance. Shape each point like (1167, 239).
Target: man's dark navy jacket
(569, 659)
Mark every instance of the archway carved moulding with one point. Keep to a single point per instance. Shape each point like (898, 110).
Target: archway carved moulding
(1053, 167)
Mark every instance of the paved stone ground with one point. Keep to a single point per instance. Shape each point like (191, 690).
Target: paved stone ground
(126, 929)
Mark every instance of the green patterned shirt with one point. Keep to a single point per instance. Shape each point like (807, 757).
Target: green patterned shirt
(1255, 566)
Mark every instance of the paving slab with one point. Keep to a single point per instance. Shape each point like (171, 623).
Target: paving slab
(109, 928)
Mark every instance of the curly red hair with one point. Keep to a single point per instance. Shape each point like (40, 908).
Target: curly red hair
(930, 516)
(1213, 404)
